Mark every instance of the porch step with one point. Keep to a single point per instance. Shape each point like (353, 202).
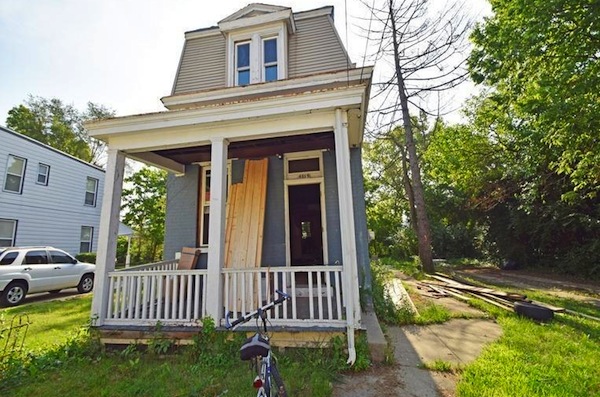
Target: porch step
(281, 337)
(375, 338)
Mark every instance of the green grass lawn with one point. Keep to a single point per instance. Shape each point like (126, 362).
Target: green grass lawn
(560, 358)
(62, 357)
(51, 322)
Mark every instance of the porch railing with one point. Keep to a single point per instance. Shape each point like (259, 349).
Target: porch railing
(145, 295)
(316, 293)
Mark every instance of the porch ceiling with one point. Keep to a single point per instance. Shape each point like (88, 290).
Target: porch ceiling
(257, 148)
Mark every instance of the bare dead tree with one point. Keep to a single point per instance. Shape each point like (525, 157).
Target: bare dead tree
(425, 52)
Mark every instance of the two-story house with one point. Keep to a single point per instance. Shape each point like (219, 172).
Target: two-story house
(47, 197)
(263, 138)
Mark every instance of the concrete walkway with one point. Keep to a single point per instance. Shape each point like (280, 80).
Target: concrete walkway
(457, 341)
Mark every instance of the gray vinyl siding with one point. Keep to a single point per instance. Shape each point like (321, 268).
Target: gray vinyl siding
(273, 253)
(182, 209)
(332, 209)
(315, 48)
(202, 65)
(54, 214)
(360, 219)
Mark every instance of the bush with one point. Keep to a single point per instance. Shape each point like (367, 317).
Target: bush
(89, 257)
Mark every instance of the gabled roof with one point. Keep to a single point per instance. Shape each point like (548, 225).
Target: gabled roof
(258, 14)
(252, 10)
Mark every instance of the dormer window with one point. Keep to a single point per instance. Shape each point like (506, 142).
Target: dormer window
(257, 57)
(242, 62)
(269, 59)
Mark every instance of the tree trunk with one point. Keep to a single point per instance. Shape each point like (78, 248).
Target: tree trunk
(423, 232)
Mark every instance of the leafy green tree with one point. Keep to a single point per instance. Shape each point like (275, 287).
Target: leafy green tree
(542, 59)
(144, 206)
(59, 125)
(541, 114)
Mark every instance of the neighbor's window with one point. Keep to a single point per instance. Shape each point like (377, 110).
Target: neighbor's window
(43, 174)
(91, 190)
(87, 234)
(15, 173)
(8, 232)
(242, 63)
(270, 59)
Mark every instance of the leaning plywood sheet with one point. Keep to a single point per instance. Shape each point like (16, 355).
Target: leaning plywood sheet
(244, 233)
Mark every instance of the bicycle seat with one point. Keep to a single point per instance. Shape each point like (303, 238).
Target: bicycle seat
(254, 346)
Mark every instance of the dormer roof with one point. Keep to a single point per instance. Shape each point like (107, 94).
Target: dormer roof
(256, 14)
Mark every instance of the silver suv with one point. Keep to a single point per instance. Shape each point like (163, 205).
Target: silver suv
(40, 269)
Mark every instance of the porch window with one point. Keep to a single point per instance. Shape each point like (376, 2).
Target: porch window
(15, 173)
(204, 202)
(8, 232)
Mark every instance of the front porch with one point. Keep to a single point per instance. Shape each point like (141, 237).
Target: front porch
(143, 296)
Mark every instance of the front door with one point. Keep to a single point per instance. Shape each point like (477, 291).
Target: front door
(306, 230)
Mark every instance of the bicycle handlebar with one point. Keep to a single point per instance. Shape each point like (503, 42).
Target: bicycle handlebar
(257, 312)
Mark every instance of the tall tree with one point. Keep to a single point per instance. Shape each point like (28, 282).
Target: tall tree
(426, 50)
(144, 206)
(542, 57)
(59, 125)
(541, 62)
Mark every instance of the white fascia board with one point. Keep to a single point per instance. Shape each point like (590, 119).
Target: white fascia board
(239, 130)
(328, 10)
(241, 23)
(203, 33)
(352, 96)
(256, 89)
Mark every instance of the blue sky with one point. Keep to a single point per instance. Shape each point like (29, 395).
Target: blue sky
(119, 53)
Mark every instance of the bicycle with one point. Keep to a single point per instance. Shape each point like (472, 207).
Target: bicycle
(258, 350)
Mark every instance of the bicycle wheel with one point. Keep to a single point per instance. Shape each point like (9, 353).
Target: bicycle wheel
(275, 386)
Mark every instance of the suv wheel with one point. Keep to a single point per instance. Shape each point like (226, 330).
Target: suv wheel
(86, 284)
(14, 293)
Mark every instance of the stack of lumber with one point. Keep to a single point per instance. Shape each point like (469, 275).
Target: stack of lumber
(246, 217)
(444, 286)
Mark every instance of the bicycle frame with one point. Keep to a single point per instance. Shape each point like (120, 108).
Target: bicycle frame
(266, 371)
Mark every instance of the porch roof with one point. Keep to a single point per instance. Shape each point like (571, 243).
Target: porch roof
(244, 116)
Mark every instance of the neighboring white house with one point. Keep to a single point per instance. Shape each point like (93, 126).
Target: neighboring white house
(47, 197)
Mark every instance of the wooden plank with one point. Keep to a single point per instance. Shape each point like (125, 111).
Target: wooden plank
(471, 288)
(261, 210)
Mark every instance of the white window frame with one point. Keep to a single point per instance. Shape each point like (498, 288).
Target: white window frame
(21, 176)
(205, 204)
(46, 174)
(263, 64)
(249, 67)
(14, 232)
(256, 37)
(310, 178)
(90, 241)
(95, 192)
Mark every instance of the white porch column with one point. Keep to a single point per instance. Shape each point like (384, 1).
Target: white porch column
(109, 230)
(344, 182)
(216, 229)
